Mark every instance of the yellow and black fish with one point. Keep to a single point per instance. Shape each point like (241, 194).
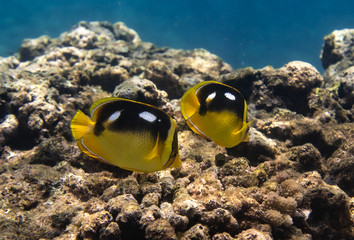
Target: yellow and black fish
(128, 134)
(217, 112)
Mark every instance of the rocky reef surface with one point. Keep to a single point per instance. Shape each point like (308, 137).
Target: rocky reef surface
(293, 180)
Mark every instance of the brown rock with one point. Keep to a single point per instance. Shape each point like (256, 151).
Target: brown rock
(197, 232)
(94, 222)
(160, 230)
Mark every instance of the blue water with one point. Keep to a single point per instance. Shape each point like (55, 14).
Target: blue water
(242, 32)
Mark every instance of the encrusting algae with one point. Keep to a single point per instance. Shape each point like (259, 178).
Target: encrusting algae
(292, 180)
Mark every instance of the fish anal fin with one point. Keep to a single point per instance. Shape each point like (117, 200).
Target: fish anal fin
(196, 118)
(84, 150)
(98, 103)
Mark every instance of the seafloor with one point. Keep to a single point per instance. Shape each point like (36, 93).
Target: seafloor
(293, 180)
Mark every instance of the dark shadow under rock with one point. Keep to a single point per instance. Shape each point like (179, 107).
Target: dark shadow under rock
(329, 212)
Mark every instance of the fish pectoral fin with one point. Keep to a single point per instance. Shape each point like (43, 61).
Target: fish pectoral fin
(81, 125)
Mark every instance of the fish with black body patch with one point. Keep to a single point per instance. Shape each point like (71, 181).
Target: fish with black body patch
(217, 112)
(128, 134)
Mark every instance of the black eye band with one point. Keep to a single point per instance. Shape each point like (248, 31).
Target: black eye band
(217, 97)
(134, 117)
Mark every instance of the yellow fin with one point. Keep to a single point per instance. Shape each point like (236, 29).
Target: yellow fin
(81, 125)
(189, 106)
(241, 135)
(177, 162)
(86, 151)
(189, 102)
(246, 137)
(96, 105)
(173, 162)
(99, 103)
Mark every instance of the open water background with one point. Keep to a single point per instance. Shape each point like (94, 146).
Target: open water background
(242, 32)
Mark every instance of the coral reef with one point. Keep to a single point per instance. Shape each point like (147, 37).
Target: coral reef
(293, 179)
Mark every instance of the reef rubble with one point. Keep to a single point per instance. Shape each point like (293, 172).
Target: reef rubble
(293, 180)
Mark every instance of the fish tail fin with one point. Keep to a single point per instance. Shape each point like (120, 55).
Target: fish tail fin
(244, 130)
(177, 162)
(173, 162)
(240, 135)
(81, 125)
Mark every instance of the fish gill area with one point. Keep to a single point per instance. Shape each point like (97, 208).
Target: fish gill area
(293, 179)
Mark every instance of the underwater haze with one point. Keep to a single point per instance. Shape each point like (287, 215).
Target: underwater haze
(243, 33)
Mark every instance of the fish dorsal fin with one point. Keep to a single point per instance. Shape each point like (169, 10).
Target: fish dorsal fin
(99, 103)
(103, 101)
